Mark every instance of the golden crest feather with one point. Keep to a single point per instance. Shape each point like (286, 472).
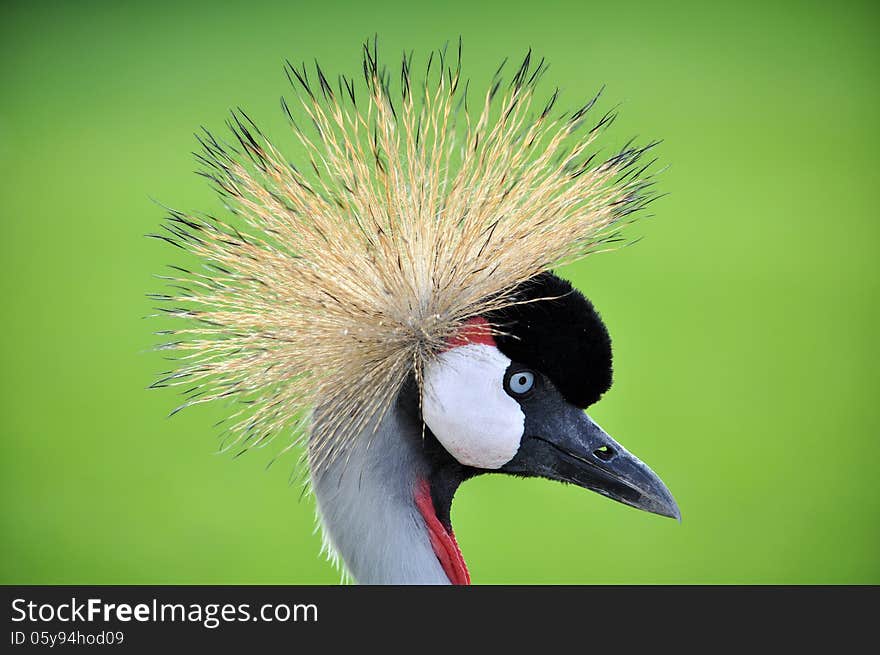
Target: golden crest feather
(410, 212)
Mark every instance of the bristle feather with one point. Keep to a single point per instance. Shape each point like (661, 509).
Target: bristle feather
(330, 289)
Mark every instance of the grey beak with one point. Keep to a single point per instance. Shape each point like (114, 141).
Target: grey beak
(564, 444)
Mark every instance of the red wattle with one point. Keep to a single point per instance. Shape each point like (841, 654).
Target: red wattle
(475, 331)
(442, 541)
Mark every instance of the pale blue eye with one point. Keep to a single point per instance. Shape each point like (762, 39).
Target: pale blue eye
(521, 382)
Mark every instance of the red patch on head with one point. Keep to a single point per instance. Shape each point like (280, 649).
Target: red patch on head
(442, 541)
(475, 331)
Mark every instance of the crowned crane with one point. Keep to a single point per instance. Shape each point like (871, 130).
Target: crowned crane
(391, 302)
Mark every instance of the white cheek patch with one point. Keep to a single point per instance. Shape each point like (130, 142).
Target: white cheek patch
(467, 409)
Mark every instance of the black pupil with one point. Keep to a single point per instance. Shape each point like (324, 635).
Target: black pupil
(522, 380)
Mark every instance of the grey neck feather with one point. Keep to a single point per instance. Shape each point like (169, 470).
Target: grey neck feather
(367, 508)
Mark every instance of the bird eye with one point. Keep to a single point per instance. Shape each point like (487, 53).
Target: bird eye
(519, 383)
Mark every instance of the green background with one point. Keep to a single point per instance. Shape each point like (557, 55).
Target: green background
(745, 322)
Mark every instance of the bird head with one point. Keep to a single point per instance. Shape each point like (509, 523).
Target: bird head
(393, 283)
(509, 394)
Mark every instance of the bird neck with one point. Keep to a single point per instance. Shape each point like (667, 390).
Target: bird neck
(384, 505)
